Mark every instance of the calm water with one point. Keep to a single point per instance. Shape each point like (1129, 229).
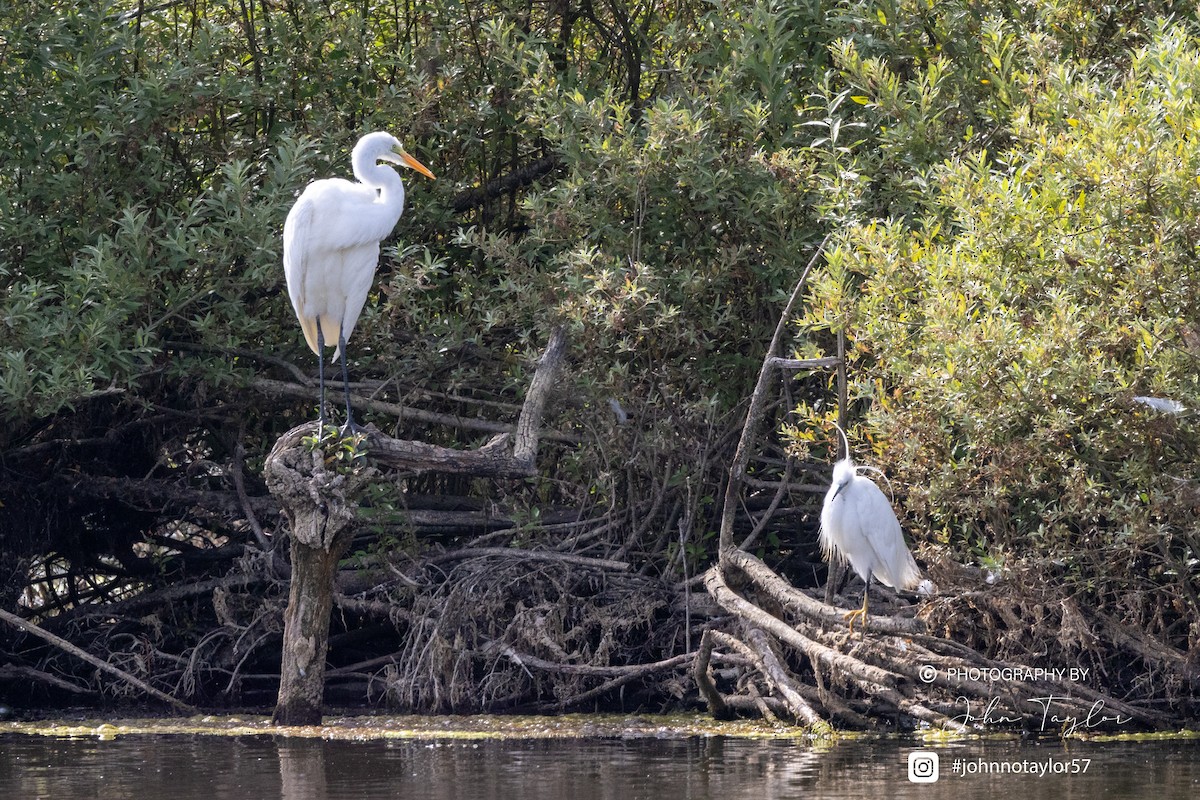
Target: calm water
(178, 767)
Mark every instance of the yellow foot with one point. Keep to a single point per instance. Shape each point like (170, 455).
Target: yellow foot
(858, 613)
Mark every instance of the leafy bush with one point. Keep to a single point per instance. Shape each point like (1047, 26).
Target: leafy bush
(1014, 265)
(154, 153)
(999, 340)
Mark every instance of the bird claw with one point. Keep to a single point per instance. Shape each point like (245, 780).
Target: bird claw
(352, 430)
(857, 613)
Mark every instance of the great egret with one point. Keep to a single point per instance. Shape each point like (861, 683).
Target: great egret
(331, 247)
(858, 525)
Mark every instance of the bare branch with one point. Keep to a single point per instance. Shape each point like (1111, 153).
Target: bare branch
(517, 179)
(64, 645)
(737, 470)
(544, 378)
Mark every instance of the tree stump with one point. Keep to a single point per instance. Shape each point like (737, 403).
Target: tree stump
(319, 496)
(319, 503)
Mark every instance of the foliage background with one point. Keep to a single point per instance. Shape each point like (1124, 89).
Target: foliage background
(1012, 186)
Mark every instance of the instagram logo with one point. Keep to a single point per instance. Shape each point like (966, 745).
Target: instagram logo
(923, 766)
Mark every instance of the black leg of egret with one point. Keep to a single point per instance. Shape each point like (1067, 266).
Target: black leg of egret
(320, 380)
(866, 592)
(350, 426)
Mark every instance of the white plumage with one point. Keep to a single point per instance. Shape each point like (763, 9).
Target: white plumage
(858, 525)
(1164, 404)
(331, 245)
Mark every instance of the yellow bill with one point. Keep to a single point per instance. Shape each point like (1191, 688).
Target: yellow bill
(409, 161)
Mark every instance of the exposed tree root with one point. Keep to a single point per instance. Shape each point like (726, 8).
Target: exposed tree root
(893, 671)
(889, 675)
(504, 631)
(458, 598)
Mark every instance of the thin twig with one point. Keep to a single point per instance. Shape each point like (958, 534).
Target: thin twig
(239, 483)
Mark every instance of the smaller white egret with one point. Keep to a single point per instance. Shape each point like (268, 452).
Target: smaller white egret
(1164, 404)
(858, 525)
(331, 247)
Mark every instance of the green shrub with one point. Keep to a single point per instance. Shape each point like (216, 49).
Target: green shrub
(998, 341)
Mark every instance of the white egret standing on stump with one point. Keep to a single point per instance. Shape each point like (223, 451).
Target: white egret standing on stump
(858, 525)
(331, 247)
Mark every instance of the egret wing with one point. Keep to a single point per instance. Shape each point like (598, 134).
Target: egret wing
(296, 251)
(358, 274)
(893, 564)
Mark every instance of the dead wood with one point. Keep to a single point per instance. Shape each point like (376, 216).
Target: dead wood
(404, 413)
(623, 676)
(788, 639)
(1149, 649)
(239, 484)
(917, 675)
(717, 704)
(531, 555)
(438, 458)
(104, 666)
(757, 650)
(149, 601)
(22, 673)
(781, 592)
(150, 493)
(319, 503)
(504, 632)
(757, 409)
(319, 495)
(462, 602)
(520, 177)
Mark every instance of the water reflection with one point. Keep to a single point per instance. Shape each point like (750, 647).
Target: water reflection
(145, 767)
